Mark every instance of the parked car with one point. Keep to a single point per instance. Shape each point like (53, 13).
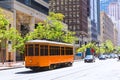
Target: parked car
(102, 57)
(89, 58)
(118, 57)
(107, 56)
(112, 55)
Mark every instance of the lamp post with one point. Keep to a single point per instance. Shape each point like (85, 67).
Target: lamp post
(98, 46)
(105, 48)
(81, 40)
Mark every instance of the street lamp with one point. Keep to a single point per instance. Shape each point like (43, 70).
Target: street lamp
(82, 37)
(81, 40)
(105, 48)
(98, 44)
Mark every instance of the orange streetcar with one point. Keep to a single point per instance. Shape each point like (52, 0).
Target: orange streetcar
(43, 53)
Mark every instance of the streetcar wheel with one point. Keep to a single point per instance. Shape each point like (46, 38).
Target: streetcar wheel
(69, 64)
(51, 67)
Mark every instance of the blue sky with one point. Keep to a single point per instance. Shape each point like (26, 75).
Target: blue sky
(104, 4)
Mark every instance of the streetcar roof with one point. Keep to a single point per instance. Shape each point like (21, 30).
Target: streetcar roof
(46, 41)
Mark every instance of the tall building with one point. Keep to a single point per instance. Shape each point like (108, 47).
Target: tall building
(76, 14)
(25, 14)
(114, 10)
(115, 36)
(114, 14)
(94, 26)
(107, 28)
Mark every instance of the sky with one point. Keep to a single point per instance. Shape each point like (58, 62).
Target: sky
(104, 4)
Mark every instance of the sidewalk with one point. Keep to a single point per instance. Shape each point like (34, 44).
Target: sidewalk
(11, 65)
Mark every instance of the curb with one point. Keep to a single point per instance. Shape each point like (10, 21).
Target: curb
(11, 68)
(78, 60)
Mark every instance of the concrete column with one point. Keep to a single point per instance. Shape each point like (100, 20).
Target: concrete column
(14, 18)
(32, 23)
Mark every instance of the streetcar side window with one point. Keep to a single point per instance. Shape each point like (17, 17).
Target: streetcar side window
(62, 51)
(30, 50)
(36, 49)
(26, 50)
(57, 50)
(46, 50)
(54, 50)
(43, 50)
(69, 51)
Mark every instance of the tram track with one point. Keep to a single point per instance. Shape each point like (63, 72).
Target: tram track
(68, 72)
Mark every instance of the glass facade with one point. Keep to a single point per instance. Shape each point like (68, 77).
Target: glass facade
(94, 17)
(46, 1)
(35, 5)
(7, 4)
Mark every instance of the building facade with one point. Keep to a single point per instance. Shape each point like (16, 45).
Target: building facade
(94, 26)
(114, 10)
(114, 13)
(76, 13)
(115, 36)
(107, 28)
(25, 14)
(3, 49)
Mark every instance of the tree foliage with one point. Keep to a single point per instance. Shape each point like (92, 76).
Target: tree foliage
(117, 49)
(106, 47)
(9, 34)
(52, 29)
(15, 37)
(89, 45)
(3, 25)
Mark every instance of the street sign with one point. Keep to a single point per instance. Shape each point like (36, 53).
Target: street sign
(79, 54)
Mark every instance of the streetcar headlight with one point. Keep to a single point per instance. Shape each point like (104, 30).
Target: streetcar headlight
(30, 61)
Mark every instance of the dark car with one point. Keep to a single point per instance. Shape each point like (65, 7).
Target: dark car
(102, 57)
(89, 58)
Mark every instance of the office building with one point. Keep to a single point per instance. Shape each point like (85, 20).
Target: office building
(25, 14)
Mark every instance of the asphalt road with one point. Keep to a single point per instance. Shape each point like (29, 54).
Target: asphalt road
(100, 70)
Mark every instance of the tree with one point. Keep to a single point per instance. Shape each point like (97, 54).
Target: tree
(89, 45)
(3, 27)
(52, 29)
(17, 40)
(82, 49)
(11, 34)
(117, 49)
(108, 46)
